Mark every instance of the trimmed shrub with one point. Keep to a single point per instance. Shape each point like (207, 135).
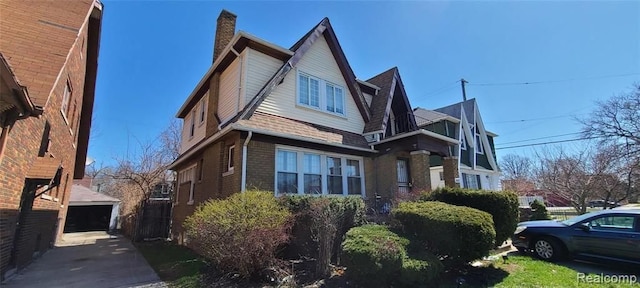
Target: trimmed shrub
(416, 272)
(502, 205)
(240, 233)
(461, 234)
(539, 211)
(315, 218)
(373, 254)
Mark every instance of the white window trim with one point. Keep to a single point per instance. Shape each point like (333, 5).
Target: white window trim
(181, 180)
(66, 100)
(229, 167)
(322, 94)
(478, 147)
(323, 170)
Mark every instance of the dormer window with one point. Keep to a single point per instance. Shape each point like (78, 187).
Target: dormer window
(478, 144)
(335, 99)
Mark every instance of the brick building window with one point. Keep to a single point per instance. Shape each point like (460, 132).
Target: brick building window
(66, 97)
(304, 171)
(188, 176)
(230, 157)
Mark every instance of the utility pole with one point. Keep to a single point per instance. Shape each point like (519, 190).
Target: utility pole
(464, 92)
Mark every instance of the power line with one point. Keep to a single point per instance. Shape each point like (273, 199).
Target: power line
(442, 89)
(551, 81)
(547, 137)
(533, 119)
(545, 143)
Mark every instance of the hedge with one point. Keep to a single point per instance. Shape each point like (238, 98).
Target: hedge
(240, 233)
(373, 254)
(461, 234)
(502, 205)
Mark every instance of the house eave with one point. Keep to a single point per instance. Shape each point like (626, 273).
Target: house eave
(418, 132)
(246, 40)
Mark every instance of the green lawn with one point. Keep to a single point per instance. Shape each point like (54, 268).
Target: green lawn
(176, 265)
(525, 271)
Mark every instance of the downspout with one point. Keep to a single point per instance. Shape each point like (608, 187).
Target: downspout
(243, 185)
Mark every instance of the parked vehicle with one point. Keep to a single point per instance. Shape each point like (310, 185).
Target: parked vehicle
(600, 203)
(608, 234)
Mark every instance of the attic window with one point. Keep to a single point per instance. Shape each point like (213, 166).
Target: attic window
(321, 95)
(308, 91)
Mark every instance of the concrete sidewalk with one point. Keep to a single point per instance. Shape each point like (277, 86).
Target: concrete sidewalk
(89, 259)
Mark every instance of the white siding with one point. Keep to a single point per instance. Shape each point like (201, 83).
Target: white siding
(260, 68)
(229, 84)
(318, 62)
(187, 141)
(435, 177)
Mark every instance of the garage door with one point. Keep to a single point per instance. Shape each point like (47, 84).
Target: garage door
(88, 218)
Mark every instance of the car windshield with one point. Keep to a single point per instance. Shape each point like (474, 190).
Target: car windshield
(577, 219)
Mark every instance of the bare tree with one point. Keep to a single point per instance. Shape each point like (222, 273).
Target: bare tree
(136, 176)
(592, 173)
(516, 167)
(617, 121)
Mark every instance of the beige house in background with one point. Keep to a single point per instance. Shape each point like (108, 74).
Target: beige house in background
(297, 121)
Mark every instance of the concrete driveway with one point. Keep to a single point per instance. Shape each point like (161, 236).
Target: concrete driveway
(89, 259)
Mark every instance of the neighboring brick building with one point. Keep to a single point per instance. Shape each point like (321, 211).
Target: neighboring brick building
(49, 52)
(298, 121)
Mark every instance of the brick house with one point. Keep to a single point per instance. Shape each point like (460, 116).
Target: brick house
(298, 121)
(476, 152)
(49, 54)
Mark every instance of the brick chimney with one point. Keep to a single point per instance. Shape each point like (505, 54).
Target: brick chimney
(225, 29)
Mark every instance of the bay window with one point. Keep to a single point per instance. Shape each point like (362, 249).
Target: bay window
(303, 171)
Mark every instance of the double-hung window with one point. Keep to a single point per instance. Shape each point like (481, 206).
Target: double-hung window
(354, 181)
(334, 175)
(303, 171)
(287, 172)
(308, 91)
(335, 99)
(320, 94)
(188, 176)
(312, 174)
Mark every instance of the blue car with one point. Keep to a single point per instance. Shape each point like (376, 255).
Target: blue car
(609, 235)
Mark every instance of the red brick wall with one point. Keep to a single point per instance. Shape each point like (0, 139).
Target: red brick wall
(45, 223)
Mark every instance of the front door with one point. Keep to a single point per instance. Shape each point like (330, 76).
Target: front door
(402, 168)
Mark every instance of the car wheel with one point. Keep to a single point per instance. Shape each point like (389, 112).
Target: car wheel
(547, 249)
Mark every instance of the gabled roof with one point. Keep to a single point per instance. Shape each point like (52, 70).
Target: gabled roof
(455, 110)
(389, 81)
(425, 116)
(323, 29)
(36, 39)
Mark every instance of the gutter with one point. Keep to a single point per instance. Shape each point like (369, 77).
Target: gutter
(238, 127)
(244, 162)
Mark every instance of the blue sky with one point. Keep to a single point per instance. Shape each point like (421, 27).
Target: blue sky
(153, 53)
